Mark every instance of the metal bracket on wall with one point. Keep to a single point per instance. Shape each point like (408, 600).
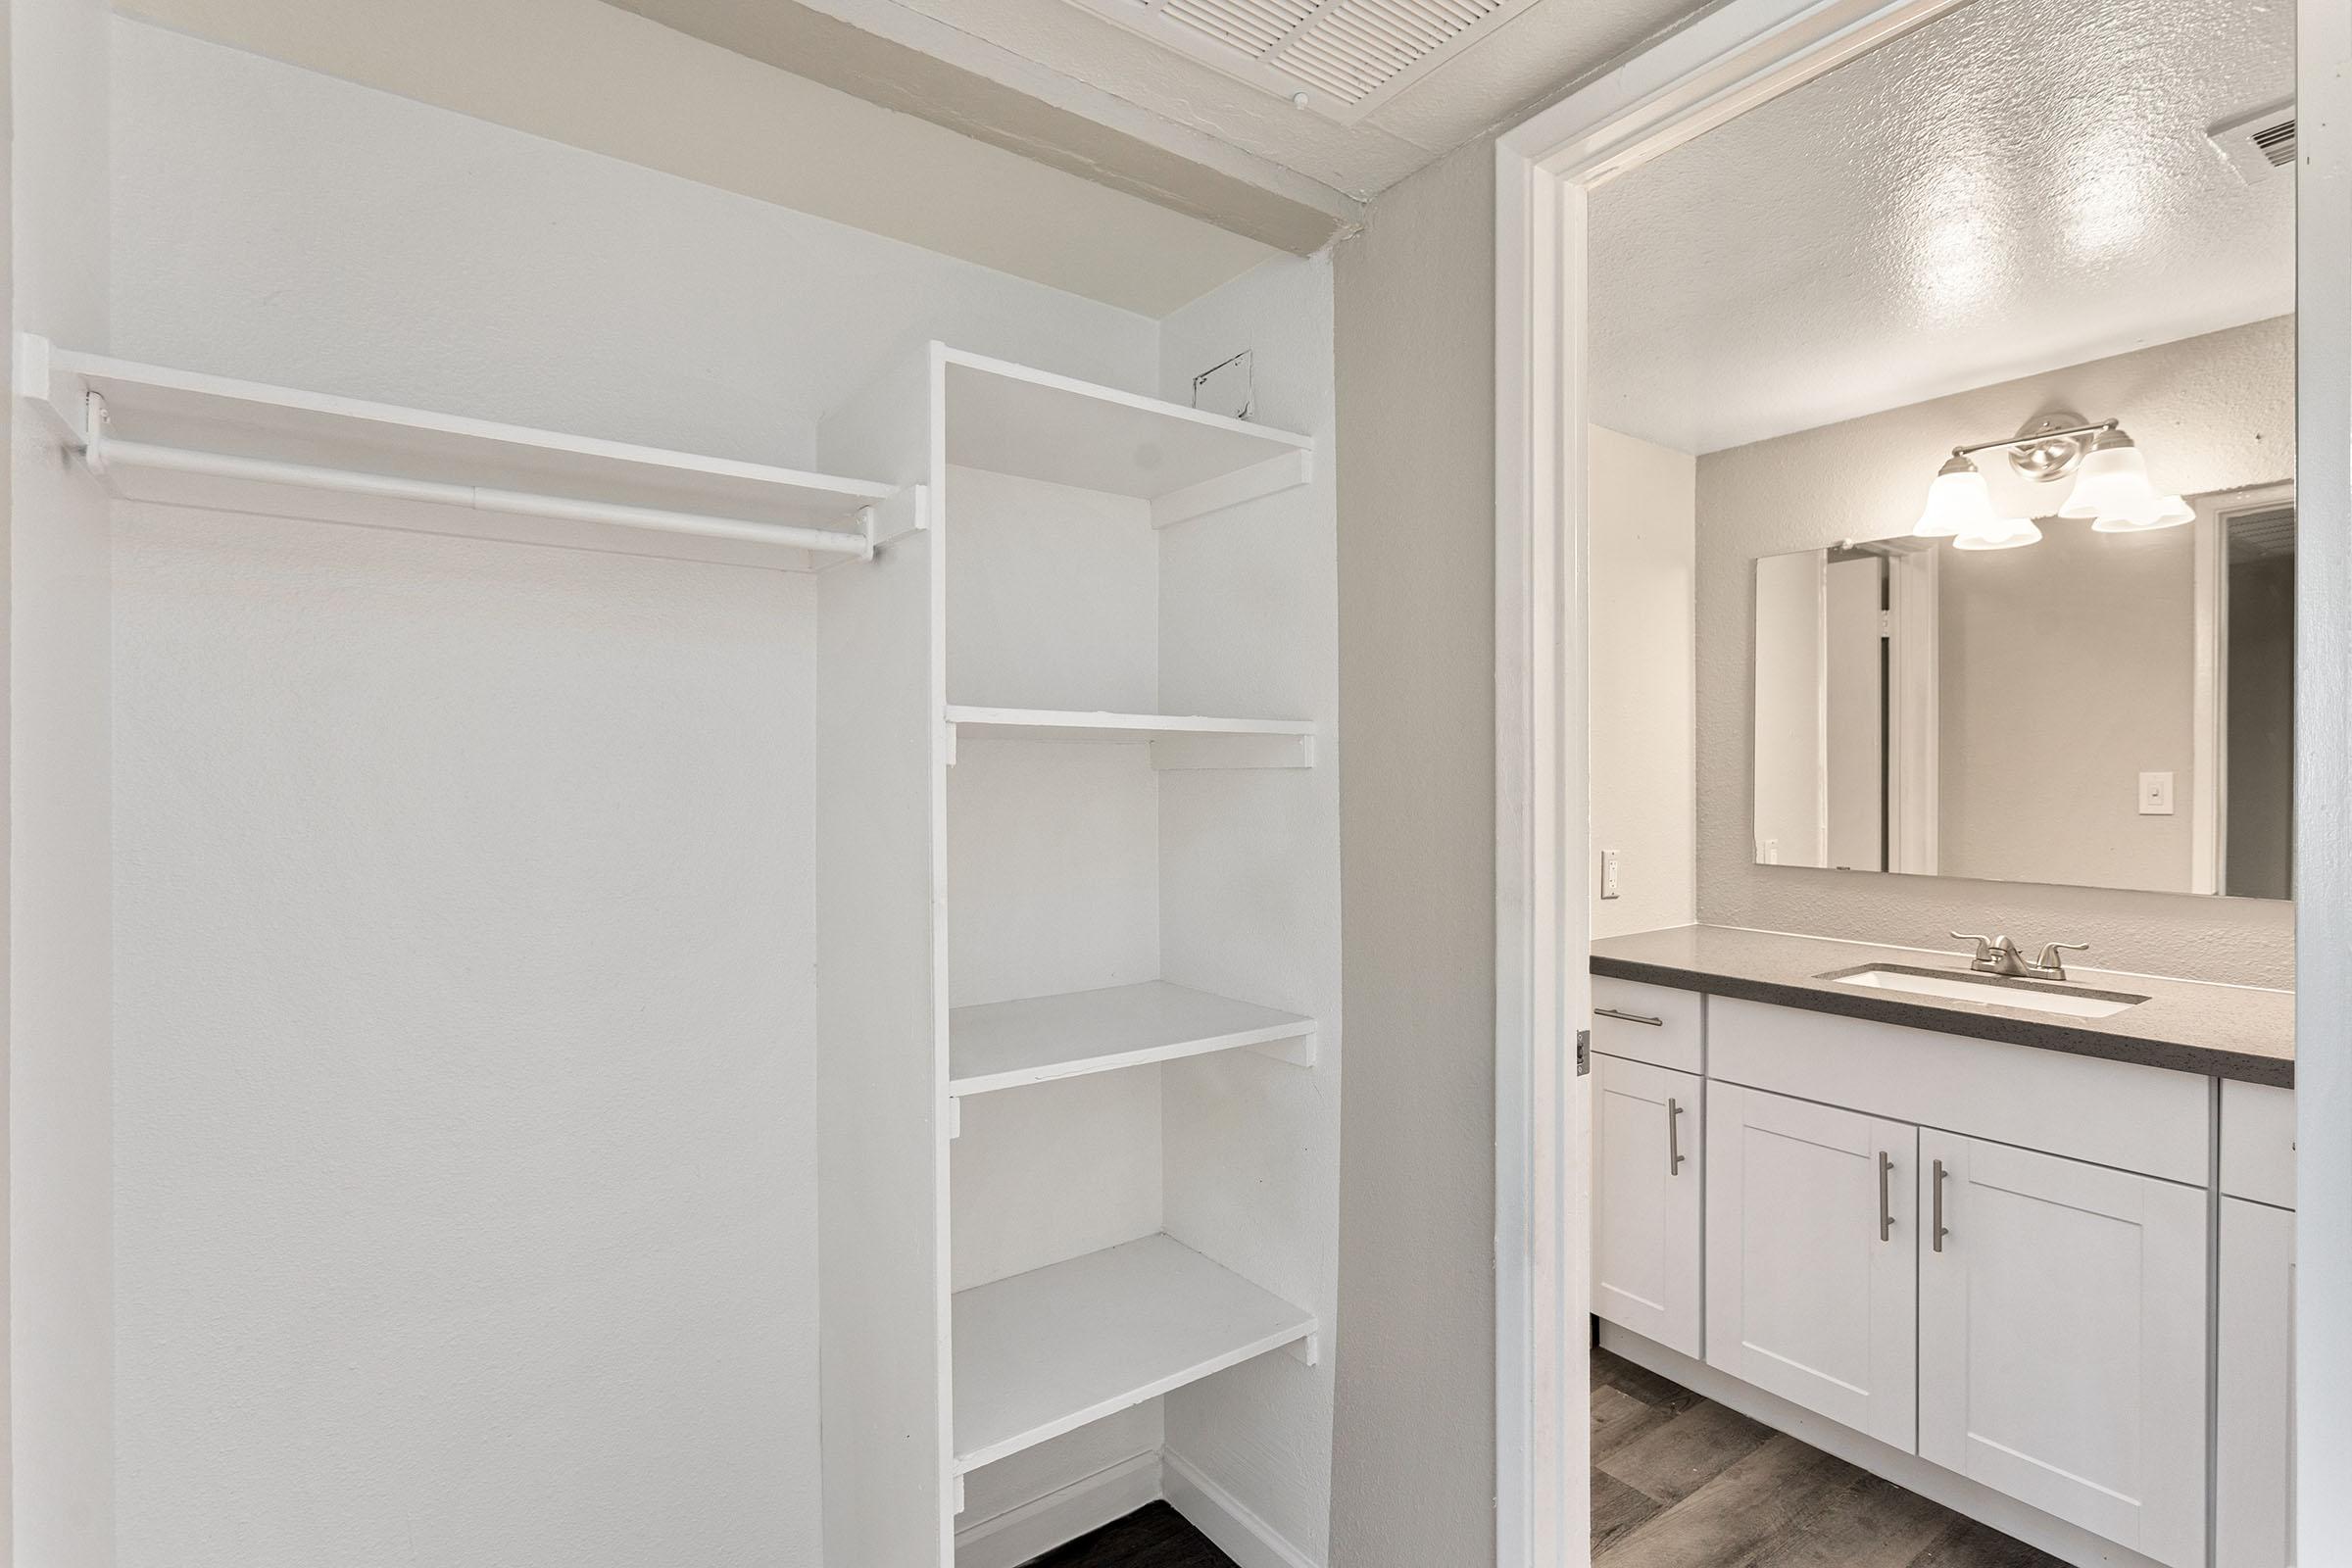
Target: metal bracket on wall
(1584, 1052)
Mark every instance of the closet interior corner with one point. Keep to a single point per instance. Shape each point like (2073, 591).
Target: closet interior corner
(782, 917)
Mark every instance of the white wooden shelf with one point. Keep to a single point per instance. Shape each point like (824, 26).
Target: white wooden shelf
(1009, 418)
(1177, 741)
(1045, 1352)
(187, 437)
(1034, 1039)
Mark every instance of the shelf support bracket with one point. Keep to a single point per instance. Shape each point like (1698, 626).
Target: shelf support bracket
(1298, 1049)
(954, 1117)
(1307, 1351)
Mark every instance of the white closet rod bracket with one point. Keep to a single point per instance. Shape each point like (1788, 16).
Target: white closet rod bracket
(102, 452)
(887, 522)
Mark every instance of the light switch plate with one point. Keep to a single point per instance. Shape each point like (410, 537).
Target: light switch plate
(2155, 793)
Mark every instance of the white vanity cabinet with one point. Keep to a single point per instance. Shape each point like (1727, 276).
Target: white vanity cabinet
(1989, 1263)
(1811, 1271)
(2253, 1497)
(2062, 1339)
(2253, 1500)
(1647, 1161)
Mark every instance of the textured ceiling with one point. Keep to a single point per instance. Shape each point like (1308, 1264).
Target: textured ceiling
(2024, 184)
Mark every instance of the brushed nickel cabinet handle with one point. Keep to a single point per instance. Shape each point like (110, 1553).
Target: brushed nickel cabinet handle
(1885, 1210)
(1940, 1232)
(1673, 1138)
(1628, 1017)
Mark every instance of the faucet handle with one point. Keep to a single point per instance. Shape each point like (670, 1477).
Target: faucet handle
(2049, 958)
(1984, 945)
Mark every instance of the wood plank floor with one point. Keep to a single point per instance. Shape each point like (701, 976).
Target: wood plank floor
(1155, 1536)
(1680, 1482)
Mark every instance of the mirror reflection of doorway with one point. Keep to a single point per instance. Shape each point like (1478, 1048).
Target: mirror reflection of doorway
(2258, 714)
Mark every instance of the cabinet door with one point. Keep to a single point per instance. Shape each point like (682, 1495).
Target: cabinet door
(2254, 1464)
(1812, 1278)
(1648, 1140)
(2061, 1340)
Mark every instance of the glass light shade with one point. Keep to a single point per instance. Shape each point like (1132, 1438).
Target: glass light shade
(1958, 501)
(2164, 512)
(2112, 482)
(1999, 533)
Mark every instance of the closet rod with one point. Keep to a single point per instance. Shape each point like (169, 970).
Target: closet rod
(102, 451)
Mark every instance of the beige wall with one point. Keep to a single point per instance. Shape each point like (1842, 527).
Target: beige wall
(1643, 714)
(1413, 1452)
(2210, 413)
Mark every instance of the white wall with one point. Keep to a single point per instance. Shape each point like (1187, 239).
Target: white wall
(2210, 413)
(60, 1149)
(1413, 1455)
(464, 1051)
(1250, 898)
(274, 224)
(1644, 652)
(584, 74)
(288, 226)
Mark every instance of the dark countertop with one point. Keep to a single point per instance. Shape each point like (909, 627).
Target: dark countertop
(2219, 1031)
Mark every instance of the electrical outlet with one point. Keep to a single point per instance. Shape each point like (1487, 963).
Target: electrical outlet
(1608, 874)
(2155, 793)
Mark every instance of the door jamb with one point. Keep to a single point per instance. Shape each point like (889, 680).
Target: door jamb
(1728, 61)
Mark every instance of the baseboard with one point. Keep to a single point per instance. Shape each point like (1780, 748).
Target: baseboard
(1037, 1526)
(1225, 1520)
(2065, 1541)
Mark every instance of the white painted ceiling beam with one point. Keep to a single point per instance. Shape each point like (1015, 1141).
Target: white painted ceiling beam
(917, 63)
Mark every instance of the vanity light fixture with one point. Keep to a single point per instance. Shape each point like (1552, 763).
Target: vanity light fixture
(2111, 485)
(1960, 509)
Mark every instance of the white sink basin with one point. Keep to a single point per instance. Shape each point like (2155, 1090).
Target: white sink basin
(2032, 998)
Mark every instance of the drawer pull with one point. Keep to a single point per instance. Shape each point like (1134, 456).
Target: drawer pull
(1628, 1017)
(1885, 1210)
(1673, 1138)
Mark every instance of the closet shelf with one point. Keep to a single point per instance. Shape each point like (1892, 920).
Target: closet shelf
(1034, 1039)
(135, 422)
(1177, 741)
(1045, 1352)
(1009, 418)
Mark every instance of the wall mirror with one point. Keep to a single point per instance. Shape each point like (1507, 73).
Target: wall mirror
(2106, 708)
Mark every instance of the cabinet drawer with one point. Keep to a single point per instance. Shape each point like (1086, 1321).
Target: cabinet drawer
(2258, 1143)
(2146, 1119)
(1656, 1024)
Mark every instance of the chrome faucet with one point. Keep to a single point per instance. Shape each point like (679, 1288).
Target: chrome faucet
(2000, 956)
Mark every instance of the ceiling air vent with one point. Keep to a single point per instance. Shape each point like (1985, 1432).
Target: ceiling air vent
(1340, 58)
(2258, 145)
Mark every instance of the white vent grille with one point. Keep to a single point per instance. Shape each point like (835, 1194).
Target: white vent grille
(1346, 57)
(2258, 145)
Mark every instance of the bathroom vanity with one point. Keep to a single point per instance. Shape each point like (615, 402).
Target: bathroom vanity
(2031, 1259)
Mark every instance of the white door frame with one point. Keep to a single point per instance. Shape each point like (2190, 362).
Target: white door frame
(1728, 61)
